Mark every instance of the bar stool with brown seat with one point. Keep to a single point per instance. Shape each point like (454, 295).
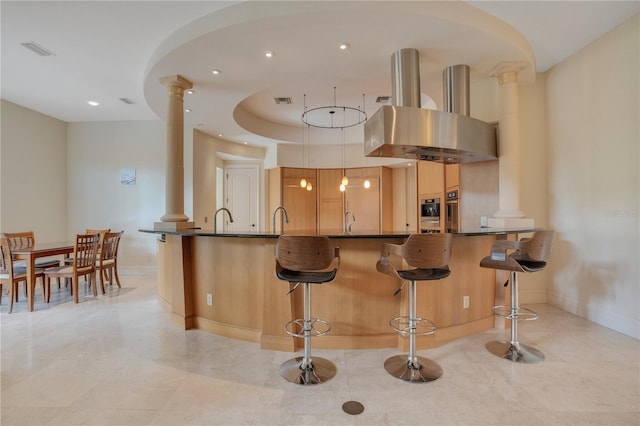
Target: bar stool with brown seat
(429, 256)
(526, 255)
(306, 260)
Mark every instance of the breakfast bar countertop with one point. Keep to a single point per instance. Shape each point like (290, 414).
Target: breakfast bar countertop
(198, 232)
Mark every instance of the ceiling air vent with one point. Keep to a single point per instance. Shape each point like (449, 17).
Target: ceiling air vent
(37, 49)
(383, 99)
(284, 100)
(127, 101)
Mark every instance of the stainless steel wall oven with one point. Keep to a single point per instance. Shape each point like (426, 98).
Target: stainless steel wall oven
(453, 216)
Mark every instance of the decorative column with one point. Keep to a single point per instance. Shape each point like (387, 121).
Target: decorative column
(174, 217)
(509, 215)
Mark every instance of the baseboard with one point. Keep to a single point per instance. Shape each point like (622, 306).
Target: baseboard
(532, 296)
(609, 319)
(137, 270)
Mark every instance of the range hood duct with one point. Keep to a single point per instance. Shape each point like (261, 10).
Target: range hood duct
(404, 130)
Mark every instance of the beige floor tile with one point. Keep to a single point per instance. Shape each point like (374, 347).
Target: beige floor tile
(118, 360)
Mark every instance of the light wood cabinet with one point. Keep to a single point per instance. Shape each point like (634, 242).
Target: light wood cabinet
(373, 206)
(299, 202)
(322, 210)
(431, 184)
(431, 178)
(330, 201)
(451, 176)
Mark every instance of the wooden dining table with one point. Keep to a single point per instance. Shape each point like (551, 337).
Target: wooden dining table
(30, 254)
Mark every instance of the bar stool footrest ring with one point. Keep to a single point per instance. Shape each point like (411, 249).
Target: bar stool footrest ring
(402, 325)
(319, 327)
(518, 314)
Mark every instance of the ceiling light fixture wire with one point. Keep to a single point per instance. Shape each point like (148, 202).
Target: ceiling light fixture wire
(316, 117)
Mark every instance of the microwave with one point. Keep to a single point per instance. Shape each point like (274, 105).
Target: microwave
(430, 207)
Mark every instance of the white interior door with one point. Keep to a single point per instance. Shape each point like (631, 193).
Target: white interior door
(242, 198)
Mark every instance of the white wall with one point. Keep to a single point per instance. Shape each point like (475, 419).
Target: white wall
(96, 153)
(593, 179)
(33, 170)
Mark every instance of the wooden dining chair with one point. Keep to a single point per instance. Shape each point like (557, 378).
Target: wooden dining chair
(107, 263)
(89, 231)
(27, 239)
(12, 275)
(84, 264)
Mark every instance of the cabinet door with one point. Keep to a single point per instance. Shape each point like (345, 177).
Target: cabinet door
(451, 176)
(330, 201)
(363, 202)
(299, 202)
(430, 178)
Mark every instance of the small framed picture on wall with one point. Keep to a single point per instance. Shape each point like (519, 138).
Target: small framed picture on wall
(128, 176)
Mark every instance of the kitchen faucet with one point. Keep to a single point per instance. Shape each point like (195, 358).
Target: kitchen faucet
(273, 220)
(215, 216)
(347, 228)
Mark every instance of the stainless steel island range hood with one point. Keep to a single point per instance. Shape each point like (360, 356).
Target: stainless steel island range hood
(404, 130)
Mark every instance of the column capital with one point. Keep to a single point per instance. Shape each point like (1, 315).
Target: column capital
(507, 72)
(176, 81)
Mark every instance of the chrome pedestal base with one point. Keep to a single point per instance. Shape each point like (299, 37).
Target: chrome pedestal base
(320, 370)
(516, 353)
(423, 370)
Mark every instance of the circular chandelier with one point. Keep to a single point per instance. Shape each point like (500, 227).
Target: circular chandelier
(334, 116)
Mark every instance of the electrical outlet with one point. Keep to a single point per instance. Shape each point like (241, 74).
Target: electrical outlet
(206, 219)
(209, 299)
(483, 221)
(465, 302)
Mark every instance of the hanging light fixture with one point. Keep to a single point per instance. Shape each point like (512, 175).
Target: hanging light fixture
(345, 180)
(351, 116)
(303, 181)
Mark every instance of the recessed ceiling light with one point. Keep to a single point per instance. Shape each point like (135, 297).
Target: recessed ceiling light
(219, 135)
(190, 92)
(216, 72)
(93, 103)
(269, 54)
(187, 110)
(343, 46)
(245, 142)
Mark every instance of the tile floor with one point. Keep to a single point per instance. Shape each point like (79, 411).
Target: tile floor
(118, 360)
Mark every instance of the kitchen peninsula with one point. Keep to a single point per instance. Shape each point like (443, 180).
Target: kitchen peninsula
(226, 284)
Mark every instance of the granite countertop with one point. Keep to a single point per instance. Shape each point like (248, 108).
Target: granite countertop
(197, 232)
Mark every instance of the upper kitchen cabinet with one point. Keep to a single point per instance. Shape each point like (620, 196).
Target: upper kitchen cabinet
(430, 178)
(372, 207)
(451, 176)
(299, 202)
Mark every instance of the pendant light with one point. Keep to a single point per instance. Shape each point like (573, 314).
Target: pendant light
(345, 180)
(317, 117)
(303, 181)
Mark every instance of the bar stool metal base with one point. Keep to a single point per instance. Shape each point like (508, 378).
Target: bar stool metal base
(424, 370)
(522, 354)
(320, 371)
